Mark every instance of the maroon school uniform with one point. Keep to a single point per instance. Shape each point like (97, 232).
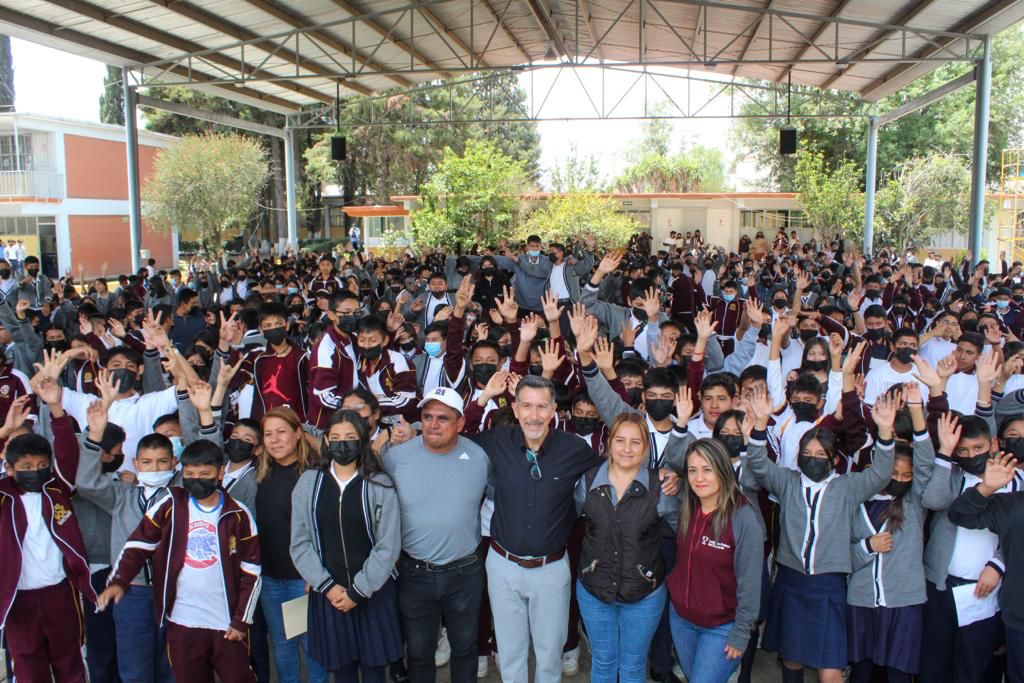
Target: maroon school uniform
(44, 627)
(727, 314)
(277, 380)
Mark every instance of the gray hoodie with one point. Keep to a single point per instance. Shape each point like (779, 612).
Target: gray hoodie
(380, 509)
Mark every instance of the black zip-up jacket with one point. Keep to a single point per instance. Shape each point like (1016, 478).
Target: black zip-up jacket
(1003, 515)
(621, 558)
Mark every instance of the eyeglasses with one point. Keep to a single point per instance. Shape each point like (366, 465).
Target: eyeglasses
(531, 457)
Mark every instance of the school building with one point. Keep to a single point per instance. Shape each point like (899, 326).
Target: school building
(64, 193)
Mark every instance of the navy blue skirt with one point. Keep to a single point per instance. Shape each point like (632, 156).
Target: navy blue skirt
(806, 620)
(370, 634)
(888, 636)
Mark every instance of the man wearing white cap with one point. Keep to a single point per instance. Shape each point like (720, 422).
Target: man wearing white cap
(441, 478)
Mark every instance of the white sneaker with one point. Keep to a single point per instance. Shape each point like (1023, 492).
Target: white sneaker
(571, 662)
(444, 651)
(482, 666)
(678, 671)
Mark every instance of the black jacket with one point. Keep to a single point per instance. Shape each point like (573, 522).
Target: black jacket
(621, 559)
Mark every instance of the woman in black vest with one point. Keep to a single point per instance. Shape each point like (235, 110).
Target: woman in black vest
(621, 589)
(346, 537)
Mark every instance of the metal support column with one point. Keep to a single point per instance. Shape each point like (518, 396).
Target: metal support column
(289, 179)
(869, 185)
(983, 89)
(131, 143)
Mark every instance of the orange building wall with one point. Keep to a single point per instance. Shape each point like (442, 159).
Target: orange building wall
(97, 169)
(99, 239)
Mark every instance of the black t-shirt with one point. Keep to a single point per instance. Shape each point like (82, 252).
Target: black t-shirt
(274, 517)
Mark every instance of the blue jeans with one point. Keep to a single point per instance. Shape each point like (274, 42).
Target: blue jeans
(620, 634)
(141, 646)
(274, 593)
(701, 651)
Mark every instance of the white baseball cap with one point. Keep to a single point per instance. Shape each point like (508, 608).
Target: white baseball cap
(447, 396)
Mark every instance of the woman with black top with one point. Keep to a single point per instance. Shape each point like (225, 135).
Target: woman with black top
(286, 455)
(346, 538)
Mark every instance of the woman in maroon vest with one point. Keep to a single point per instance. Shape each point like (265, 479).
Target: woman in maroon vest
(715, 586)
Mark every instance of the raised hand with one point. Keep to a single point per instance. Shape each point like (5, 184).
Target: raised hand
(551, 357)
(96, 416)
(507, 305)
(946, 367)
(396, 320)
(201, 395)
(853, 358)
(604, 354)
(705, 325)
(512, 383)
(552, 311)
(495, 385)
(912, 393)
(987, 367)
(528, 328)
(684, 404)
(755, 313)
(999, 471)
(577, 317)
(610, 262)
(761, 403)
(464, 296)
(440, 314)
(854, 298)
(927, 374)
(652, 304)
(587, 337)
(628, 334)
(835, 345)
(884, 413)
(17, 414)
(949, 433)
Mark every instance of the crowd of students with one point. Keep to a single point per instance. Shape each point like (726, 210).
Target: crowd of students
(683, 452)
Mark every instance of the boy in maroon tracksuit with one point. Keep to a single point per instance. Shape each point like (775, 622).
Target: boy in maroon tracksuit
(206, 571)
(44, 570)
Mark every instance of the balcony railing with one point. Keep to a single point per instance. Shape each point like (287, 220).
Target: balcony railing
(31, 184)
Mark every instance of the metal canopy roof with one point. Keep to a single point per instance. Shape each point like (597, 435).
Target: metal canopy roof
(287, 54)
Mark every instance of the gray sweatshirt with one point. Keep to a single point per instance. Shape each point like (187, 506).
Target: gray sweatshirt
(380, 508)
(816, 518)
(896, 578)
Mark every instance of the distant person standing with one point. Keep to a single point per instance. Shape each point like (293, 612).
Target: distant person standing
(14, 256)
(355, 238)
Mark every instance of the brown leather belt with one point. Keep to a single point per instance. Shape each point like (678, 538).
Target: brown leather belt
(527, 562)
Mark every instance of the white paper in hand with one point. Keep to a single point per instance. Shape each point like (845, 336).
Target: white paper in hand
(296, 616)
(970, 608)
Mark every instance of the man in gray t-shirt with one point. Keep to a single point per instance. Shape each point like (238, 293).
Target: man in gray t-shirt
(441, 478)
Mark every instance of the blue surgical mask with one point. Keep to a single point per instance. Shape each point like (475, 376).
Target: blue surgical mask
(533, 253)
(433, 349)
(728, 297)
(177, 446)
(1002, 304)
(293, 290)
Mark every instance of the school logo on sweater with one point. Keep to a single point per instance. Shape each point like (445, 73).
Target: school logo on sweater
(61, 514)
(202, 545)
(712, 543)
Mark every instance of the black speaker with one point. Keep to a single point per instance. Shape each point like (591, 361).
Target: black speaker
(337, 148)
(787, 141)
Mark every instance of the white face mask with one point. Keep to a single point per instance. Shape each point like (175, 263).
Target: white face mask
(155, 480)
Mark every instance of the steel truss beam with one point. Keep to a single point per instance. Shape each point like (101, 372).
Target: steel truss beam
(608, 104)
(891, 43)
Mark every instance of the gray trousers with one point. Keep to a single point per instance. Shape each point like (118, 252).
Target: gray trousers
(525, 604)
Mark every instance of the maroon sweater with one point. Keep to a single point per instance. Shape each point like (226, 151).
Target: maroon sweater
(702, 584)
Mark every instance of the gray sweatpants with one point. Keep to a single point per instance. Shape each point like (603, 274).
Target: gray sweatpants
(529, 603)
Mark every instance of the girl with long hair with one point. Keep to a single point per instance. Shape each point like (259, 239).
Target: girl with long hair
(285, 456)
(715, 586)
(346, 538)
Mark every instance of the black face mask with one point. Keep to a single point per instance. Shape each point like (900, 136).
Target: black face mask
(487, 272)
(552, 257)
(639, 313)
(372, 352)
(32, 271)
(804, 412)
(348, 323)
(808, 335)
(969, 325)
(342, 452)
(877, 334)
(238, 450)
(905, 355)
(1018, 298)
(199, 487)
(733, 443)
(124, 379)
(1014, 445)
(275, 336)
(659, 408)
(848, 288)
(779, 304)
(114, 465)
(897, 488)
(634, 394)
(31, 481)
(61, 345)
(536, 369)
(395, 289)
(5, 273)
(872, 294)
(816, 366)
(899, 310)
(815, 469)
(296, 309)
(482, 372)
(584, 425)
(974, 465)
(506, 350)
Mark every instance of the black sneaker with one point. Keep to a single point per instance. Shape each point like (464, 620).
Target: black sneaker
(665, 677)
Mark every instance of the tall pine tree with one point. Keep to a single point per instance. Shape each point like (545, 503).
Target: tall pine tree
(112, 99)
(6, 75)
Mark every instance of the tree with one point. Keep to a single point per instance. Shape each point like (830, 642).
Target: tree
(209, 184)
(921, 197)
(578, 216)
(576, 173)
(473, 198)
(656, 139)
(6, 75)
(945, 126)
(712, 173)
(831, 199)
(112, 99)
(659, 173)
